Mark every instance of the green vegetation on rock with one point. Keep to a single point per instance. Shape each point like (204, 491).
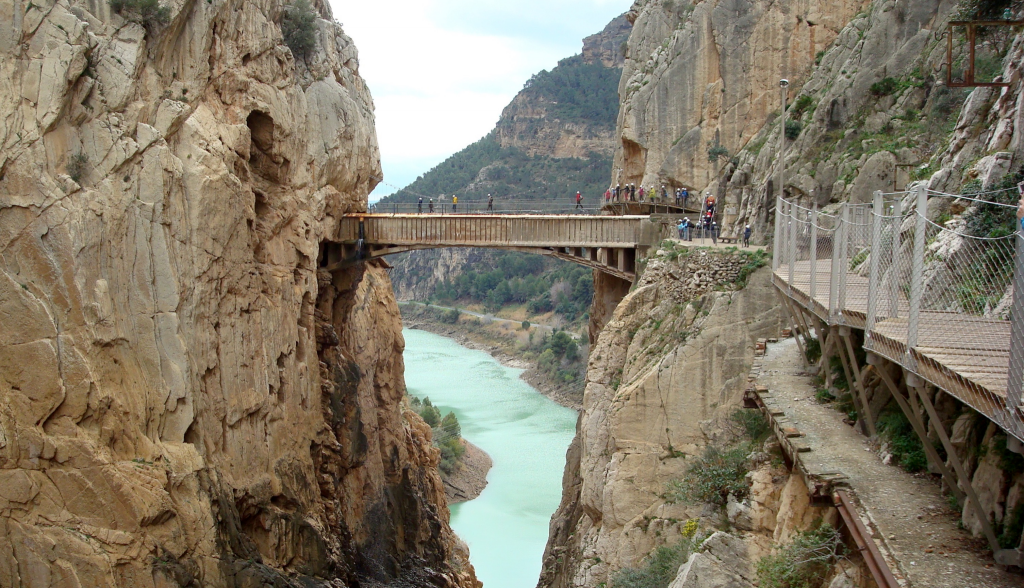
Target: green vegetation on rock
(447, 433)
(719, 473)
(904, 445)
(804, 562)
(298, 26)
(147, 12)
(662, 565)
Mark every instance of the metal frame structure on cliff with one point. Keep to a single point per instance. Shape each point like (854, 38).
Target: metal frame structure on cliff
(972, 31)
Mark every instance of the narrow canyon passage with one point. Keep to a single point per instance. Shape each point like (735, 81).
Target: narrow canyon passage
(525, 434)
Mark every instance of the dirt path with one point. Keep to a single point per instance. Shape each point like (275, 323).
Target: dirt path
(908, 509)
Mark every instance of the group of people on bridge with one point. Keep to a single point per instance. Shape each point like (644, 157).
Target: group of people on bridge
(442, 204)
(631, 193)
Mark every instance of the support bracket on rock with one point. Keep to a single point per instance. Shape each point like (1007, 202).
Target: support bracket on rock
(972, 34)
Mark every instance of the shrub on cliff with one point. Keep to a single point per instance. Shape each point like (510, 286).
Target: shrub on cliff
(658, 570)
(805, 562)
(146, 12)
(450, 425)
(661, 566)
(298, 26)
(712, 478)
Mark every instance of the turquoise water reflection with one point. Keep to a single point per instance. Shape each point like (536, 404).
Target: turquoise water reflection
(524, 433)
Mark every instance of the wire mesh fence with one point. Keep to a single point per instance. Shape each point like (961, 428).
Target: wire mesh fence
(946, 304)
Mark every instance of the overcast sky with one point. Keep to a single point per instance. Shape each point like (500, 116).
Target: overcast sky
(442, 70)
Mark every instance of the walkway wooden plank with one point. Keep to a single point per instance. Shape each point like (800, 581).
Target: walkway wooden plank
(967, 356)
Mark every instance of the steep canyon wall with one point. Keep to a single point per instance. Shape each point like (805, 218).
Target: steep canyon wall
(184, 400)
(668, 368)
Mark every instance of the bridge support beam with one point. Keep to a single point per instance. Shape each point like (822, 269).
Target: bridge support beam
(963, 489)
(846, 334)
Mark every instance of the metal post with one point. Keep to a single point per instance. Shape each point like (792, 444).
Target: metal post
(1016, 380)
(878, 208)
(814, 255)
(844, 257)
(833, 283)
(784, 85)
(894, 290)
(794, 215)
(776, 243)
(917, 272)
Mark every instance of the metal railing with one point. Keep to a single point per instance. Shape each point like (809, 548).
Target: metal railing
(522, 206)
(945, 304)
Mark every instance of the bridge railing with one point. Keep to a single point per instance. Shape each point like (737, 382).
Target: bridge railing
(529, 206)
(925, 292)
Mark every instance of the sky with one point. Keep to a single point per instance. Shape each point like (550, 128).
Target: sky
(441, 71)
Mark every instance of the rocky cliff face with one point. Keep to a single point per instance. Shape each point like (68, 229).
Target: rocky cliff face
(705, 74)
(183, 399)
(868, 108)
(665, 373)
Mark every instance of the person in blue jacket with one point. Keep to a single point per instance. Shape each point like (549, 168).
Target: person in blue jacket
(1020, 209)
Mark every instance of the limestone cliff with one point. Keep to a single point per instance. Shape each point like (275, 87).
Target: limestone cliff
(868, 107)
(666, 371)
(705, 74)
(183, 399)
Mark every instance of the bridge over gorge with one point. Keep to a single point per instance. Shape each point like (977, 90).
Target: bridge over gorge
(937, 311)
(611, 244)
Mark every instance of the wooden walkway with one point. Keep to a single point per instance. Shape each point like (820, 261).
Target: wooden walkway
(608, 243)
(964, 355)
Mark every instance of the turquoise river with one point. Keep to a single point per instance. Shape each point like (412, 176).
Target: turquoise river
(525, 434)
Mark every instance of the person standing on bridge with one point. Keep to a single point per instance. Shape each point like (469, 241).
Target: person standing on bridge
(607, 195)
(680, 227)
(746, 236)
(419, 205)
(1020, 209)
(641, 193)
(455, 203)
(431, 206)
(490, 203)
(579, 200)
(714, 233)
(686, 196)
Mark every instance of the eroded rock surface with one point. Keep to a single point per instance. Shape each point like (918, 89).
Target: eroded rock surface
(670, 363)
(183, 399)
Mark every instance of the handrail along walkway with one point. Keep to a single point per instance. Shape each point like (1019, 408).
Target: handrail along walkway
(944, 305)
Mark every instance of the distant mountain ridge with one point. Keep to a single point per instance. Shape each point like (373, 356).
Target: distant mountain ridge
(554, 138)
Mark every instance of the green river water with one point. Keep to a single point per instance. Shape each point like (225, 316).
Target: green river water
(525, 434)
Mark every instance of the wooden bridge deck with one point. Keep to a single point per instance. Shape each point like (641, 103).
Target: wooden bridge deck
(967, 356)
(493, 230)
(607, 243)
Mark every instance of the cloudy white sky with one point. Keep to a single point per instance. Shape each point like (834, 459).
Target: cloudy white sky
(442, 70)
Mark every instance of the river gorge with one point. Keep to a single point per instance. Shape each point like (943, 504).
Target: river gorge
(525, 434)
